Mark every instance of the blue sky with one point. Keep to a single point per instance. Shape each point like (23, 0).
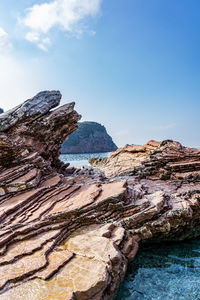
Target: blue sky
(132, 65)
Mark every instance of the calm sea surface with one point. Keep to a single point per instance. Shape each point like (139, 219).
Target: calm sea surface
(167, 272)
(76, 160)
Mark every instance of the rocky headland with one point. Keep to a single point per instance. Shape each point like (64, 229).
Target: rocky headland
(69, 235)
(90, 137)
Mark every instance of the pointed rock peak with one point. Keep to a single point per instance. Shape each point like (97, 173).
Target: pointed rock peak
(40, 104)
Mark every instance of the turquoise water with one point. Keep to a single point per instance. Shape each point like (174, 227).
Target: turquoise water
(167, 272)
(76, 160)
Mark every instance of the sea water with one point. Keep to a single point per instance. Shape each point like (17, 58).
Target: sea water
(164, 272)
(77, 160)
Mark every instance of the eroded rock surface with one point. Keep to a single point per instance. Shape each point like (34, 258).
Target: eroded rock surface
(71, 236)
(32, 132)
(155, 160)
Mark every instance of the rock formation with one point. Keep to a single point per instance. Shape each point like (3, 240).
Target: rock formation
(31, 129)
(90, 137)
(155, 160)
(71, 236)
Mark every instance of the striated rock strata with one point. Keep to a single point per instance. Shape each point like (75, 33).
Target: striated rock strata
(155, 160)
(71, 236)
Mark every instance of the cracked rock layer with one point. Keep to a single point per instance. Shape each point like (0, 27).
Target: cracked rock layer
(67, 234)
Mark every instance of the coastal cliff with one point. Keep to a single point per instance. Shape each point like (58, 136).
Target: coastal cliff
(71, 236)
(90, 137)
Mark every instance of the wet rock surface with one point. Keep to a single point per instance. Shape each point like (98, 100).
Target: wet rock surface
(70, 235)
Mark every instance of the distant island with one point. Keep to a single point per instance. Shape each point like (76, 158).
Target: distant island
(90, 137)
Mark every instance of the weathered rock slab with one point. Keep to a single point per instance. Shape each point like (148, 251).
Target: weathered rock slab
(71, 236)
(156, 160)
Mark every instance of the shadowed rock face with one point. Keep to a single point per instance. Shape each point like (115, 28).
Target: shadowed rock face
(70, 237)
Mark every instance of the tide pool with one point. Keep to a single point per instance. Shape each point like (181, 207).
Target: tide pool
(167, 272)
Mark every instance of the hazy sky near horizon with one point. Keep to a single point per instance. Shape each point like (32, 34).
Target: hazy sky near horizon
(132, 65)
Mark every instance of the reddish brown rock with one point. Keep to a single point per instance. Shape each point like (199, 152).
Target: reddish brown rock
(154, 160)
(71, 237)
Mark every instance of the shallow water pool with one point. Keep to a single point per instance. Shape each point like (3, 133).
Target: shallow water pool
(167, 272)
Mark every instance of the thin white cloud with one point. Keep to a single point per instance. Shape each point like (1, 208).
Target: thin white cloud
(44, 43)
(67, 15)
(5, 44)
(32, 37)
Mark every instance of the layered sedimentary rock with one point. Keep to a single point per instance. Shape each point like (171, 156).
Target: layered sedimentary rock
(155, 160)
(32, 130)
(71, 236)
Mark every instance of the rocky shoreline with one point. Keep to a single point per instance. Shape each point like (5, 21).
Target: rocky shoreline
(69, 234)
